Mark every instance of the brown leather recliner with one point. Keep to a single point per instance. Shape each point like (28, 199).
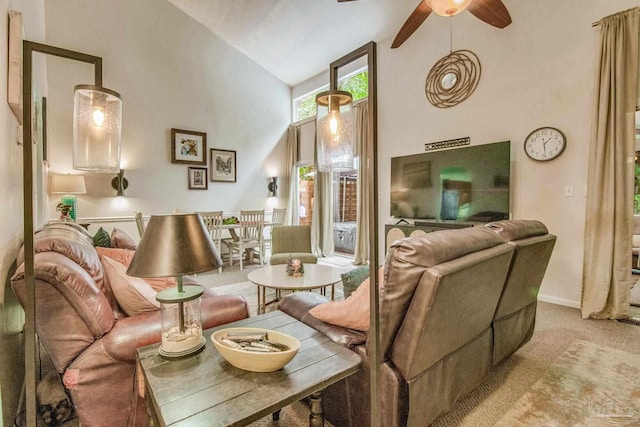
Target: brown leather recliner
(438, 308)
(89, 338)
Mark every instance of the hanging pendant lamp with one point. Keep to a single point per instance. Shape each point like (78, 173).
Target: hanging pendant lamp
(335, 131)
(97, 129)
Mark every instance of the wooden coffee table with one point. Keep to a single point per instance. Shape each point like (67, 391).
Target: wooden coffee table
(205, 390)
(275, 277)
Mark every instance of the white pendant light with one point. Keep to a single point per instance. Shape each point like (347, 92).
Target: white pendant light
(97, 129)
(334, 130)
(448, 7)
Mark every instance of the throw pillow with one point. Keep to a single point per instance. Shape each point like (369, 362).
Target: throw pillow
(353, 312)
(134, 295)
(353, 278)
(120, 239)
(124, 256)
(102, 238)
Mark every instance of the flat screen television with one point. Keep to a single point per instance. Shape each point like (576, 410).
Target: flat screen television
(461, 184)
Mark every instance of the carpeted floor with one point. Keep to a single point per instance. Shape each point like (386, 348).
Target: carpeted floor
(588, 384)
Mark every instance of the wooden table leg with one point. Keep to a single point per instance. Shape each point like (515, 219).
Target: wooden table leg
(276, 415)
(316, 417)
(259, 306)
(333, 292)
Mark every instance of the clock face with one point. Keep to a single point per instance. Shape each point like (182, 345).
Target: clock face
(545, 144)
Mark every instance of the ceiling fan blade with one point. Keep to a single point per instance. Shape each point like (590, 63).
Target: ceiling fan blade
(493, 12)
(340, 1)
(412, 23)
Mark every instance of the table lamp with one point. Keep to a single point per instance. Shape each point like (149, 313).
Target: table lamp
(69, 185)
(172, 246)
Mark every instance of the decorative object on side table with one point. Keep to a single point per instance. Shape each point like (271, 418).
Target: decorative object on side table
(255, 350)
(295, 267)
(172, 246)
(69, 186)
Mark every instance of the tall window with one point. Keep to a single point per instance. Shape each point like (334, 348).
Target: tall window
(356, 83)
(344, 183)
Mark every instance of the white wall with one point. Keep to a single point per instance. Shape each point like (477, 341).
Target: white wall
(539, 71)
(172, 73)
(11, 226)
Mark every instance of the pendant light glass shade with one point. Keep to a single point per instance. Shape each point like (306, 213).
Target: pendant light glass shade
(448, 7)
(335, 131)
(97, 129)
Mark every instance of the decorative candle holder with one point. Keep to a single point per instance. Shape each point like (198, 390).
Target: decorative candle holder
(295, 267)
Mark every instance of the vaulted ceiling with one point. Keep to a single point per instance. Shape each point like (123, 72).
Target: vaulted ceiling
(297, 39)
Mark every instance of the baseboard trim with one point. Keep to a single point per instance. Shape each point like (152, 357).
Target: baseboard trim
(559, 301)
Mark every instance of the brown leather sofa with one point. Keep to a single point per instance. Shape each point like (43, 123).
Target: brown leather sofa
(453, 304)
(89, 338)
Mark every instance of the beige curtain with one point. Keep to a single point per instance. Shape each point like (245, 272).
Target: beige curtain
(609, 214)
(322, 217)
(361, 252)
(292, 163)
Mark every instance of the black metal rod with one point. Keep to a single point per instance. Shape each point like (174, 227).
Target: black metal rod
(369, 50)
(30, 360)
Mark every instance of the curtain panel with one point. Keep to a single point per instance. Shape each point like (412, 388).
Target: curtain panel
(609, 215)
(361, 251)
(293, 149)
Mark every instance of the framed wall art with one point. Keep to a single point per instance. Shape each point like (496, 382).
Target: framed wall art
(198, 179)
(188, 147)
(223, 165)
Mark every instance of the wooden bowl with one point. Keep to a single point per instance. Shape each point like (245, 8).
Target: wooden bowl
(256, 361)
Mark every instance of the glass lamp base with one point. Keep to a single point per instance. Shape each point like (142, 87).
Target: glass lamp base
(172, 355)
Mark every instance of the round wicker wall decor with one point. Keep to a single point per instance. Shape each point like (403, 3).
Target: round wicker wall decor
(453, 79)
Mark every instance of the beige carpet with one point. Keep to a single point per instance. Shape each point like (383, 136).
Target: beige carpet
(589, 384)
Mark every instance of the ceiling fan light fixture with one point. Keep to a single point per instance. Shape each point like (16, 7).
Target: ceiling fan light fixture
(448, 7)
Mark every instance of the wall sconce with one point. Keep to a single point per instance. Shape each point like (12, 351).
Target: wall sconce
(272, 186)
(334, 128)
(120, 183)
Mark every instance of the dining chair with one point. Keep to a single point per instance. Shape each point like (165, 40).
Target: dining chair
(250, 238)
(213, 221)
(139, 223)
(277, 218)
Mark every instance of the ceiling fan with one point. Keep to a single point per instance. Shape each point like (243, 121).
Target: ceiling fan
(493, 12)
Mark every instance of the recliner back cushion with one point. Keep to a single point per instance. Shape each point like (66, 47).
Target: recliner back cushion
(406, 263)
(454, 303)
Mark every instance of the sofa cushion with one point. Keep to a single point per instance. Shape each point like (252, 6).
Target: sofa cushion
(134, 295)
(124, 256)
(353, 278)
(353, 312)
(120, 239)
(102, 238)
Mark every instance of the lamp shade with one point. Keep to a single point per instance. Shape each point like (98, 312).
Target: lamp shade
(174, 245)
(97, 129)
(335, 131)
(448, 7)
(68, 184)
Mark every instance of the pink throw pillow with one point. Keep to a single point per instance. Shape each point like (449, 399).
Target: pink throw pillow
(134, 295)
(120, 239)
(352, 313)
(124, 256)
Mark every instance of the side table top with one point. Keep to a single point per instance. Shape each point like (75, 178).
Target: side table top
(315, 276)
(205, 389)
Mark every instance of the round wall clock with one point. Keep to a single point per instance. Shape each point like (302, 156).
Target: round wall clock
(544, 144)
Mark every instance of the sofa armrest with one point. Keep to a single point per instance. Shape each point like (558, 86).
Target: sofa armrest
(129, 333)
(298, 304)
